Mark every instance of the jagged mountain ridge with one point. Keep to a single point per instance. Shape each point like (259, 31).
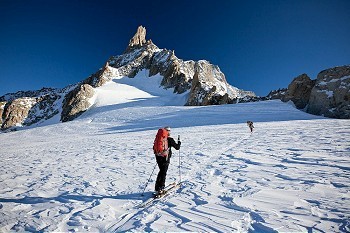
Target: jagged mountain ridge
(204, 82)
(201, 78)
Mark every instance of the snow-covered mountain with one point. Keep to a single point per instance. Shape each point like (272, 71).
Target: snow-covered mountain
(202, 82)
(290, 175)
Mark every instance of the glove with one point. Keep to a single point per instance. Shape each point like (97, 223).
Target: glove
(179, 143)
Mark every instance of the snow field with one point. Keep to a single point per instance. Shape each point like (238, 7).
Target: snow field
(281, 177)
(290, 175)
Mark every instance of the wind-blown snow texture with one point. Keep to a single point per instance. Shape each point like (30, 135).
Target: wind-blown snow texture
(290, 175)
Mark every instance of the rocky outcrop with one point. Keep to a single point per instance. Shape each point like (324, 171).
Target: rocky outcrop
(208, 85)
(133, 61)
(330, 96)
(76, 102)
(25, 111)
(45, 107)
(178, 74)
(277, 94)
(16, 111)
(101, 77)
(299, 91)
(2, 107)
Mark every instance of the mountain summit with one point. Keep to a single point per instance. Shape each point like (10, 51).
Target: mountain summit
(205, 82)
(202, 82)
(138, 39)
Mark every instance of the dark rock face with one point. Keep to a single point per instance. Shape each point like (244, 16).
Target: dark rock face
(299, 91)
(331, 94)
(328, 95)
(76, 102)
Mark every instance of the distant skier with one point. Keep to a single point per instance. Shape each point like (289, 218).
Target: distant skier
(250, 125)
(162, 150)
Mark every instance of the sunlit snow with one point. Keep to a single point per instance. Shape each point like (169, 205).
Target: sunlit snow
(290, 175)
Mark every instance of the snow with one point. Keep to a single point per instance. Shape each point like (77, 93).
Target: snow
(345, 78)
(323, 83)
(290, 175)
(139, 89)
(328, 93)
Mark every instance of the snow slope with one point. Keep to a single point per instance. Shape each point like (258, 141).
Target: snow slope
(290, 175)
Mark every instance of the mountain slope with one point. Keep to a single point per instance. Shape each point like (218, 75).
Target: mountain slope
(291, 174)
(204, 83)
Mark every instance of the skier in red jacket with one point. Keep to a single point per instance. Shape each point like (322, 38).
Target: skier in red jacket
(163, 159)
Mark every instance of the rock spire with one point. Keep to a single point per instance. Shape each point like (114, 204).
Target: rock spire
(139, 38)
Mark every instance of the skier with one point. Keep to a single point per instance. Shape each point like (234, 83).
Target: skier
(163, 159)
(250, 125)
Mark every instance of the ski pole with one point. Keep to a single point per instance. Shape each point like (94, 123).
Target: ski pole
(178, 140)
(148, 180)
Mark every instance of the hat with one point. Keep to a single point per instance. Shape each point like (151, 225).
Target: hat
(167, 128)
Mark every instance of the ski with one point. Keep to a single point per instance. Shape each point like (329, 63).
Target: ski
(167, 191)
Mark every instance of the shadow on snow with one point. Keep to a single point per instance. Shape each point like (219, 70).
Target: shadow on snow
(66, 198)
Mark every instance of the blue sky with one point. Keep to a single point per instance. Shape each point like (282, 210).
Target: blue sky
(259, 45)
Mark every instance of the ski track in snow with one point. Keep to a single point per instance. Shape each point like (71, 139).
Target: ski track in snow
(290, 175)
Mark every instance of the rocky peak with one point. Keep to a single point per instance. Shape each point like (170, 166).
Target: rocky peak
(205, 82)
(138, 40)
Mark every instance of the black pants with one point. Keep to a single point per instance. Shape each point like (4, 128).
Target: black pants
(163, 165)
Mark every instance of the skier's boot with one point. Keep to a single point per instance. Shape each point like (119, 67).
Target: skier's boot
(160, 192)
